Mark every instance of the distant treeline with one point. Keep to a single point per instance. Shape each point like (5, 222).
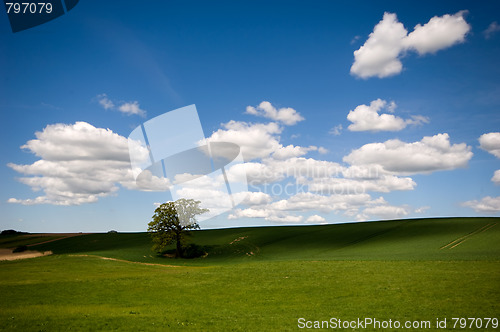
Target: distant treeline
(12, 232)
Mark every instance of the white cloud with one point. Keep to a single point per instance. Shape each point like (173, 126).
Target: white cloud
(256, 173)
(210, 190)
(105, 102)
(491, 142)
(437, 34)
(432, 153)
(316, 219)
(249, 213)
(267, 214)
(283, 210)
(367, 118)
(146, 181)
(79, 164)
(255, 140)
(291, 151)
(336, 131)
(485, 205)
(318, 185)
(253, 198)
(422, 209)
(417, 120)
(496, 177)
(307, 201)
(285, 218)
(285, 115)
(342, 186)
(350, 205)
(322, 150)
(492, 29)
(272, 170)
(386, 211)
(381, 54)
(132, 108)
(303, 167)
(259, 141)
(320, 176)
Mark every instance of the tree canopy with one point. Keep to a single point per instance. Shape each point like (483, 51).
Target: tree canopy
(172, 222)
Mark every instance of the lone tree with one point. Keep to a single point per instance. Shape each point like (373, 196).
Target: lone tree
(172, 222)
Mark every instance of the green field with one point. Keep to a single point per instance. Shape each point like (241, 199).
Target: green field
(260, 279)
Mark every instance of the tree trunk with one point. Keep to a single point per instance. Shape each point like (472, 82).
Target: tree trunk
(178, 250)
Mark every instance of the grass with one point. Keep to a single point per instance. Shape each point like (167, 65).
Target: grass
(386, 270)
(417, 239)
(12, 241)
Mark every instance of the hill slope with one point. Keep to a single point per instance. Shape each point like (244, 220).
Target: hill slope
(414, 239)
(261, 279)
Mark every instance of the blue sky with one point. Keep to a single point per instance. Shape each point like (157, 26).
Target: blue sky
(417, 105)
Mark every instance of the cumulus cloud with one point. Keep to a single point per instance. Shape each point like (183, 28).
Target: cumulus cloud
(432, 153)
(302, 185)
(253, 198)
(381, 54)
(255, 140)
(496, 177)
(266, 214)
(285, 210)
(322, 150)
(259, 141)
(303, 167)
(485, 205)
(386, 211)
(105, 102)
(336, 131)
(316, 219)
(319, 176)
(132, 108)
(210, 190)
(342, 186)
(490, 142)
(492, 29)
(128, 108)
(367, 118)
(285, 115)
(257, 173)
(308, 201)
(262, 140)
(437, 34)
(422, 209)
(78, 164)
(291, 151)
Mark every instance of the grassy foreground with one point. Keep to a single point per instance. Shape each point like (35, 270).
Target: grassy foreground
(266, 280)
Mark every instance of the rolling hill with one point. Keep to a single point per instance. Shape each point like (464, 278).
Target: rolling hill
(417, 272)
(413, 239)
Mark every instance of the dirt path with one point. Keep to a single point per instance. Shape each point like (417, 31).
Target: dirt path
(124, 261)
(8, 255)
